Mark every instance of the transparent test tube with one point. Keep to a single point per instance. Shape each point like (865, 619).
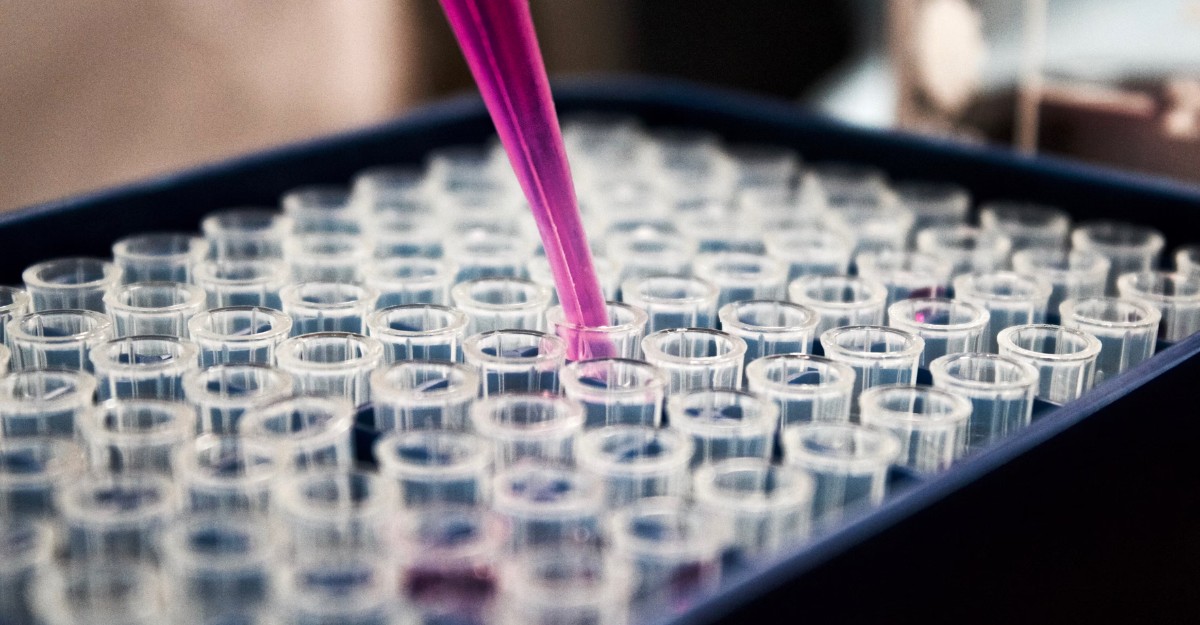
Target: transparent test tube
(342, 588)
(529, 426)
(933, 204)
(905, 274)
(217, 567)
(621, 337)
(327, 306)
(331, 364)
(948, 326)
(770, 327)
(116, 516)
(740, 276)
(14, 303)
(1065, 358)
(755, 507)
(1175, 295)
(633, 462)
(696, 358)
(25, 549)
(97, 592)
(246, 233)
(849, 464)
(724, 424)
(331, 511)
(449, 558)
(1126, 328)
(57, 339)
(136, 435)
(673, 301)
(419, 332)
(1010, 299)
(515, 360)
(484, 252)
(675, 556)
(565, 587)
(930, 423)
(226, 475)
(70, 283)
(501, 303)
(1001, 390)
(44, 402)
(806, 388)
(303, 432)
(811, 251)
(153, 308)
(966, 249)
(238, 335)
(840, 300)
(326, 257)
(32, 472)
(1129, 247)
(423, 395)
(158, 257)
(241, 282)
(142, 367)
(1027, 225)
(548, 506)
(1072, 275)
(221, 394)
(878, 354)
(322, 209)
(616, 391)
(436, 467)
(415, 280)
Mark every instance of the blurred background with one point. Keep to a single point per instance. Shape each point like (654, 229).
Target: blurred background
(96, 94)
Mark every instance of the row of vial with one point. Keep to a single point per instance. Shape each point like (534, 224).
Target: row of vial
(673, 503)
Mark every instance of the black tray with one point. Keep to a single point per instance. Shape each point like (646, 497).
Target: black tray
(1092, 514)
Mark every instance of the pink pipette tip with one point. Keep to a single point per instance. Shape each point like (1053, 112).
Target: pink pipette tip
(498, 40)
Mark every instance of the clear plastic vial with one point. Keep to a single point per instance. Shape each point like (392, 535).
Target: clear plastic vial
(633, 462)
(57, 339)
(930, 423)
(878, 354)
(696, 358)
(303, 432)
(548, 506)
(227, 475)
(675, 556)
(436, 468)
(770, 327)
(948, 326)
(97, 592)
(423, 395)
(1027, 225)
(334, 511)
(158, 257)
(501, 303)
(581, 586)
(529, 427)
(326, 257)
(673, 301)
(328, 306)
(1064, 357)
(416, 280)
(1175, 295)
(515, 360)
(241, 282)
(1001, 390)
(221, 394)
(1072, 275)
(740, 276)
(1010, 299)
(70, 283)
(616, 391)
(44, 402)
(816, 251)
(139, 435)
(239, 334)
(849, 464)
(840, 300)
(217, 567)
(724, 424)
(246, 233)
(1126, 328)
(32, 472)
(1129, 247)
(419, 332)
(331, 364)
(14, 303)
(143, 367)
(755, 507)
(25, 549)
(806, 388)
(966, 249)
(154, 308)
(116, 516)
